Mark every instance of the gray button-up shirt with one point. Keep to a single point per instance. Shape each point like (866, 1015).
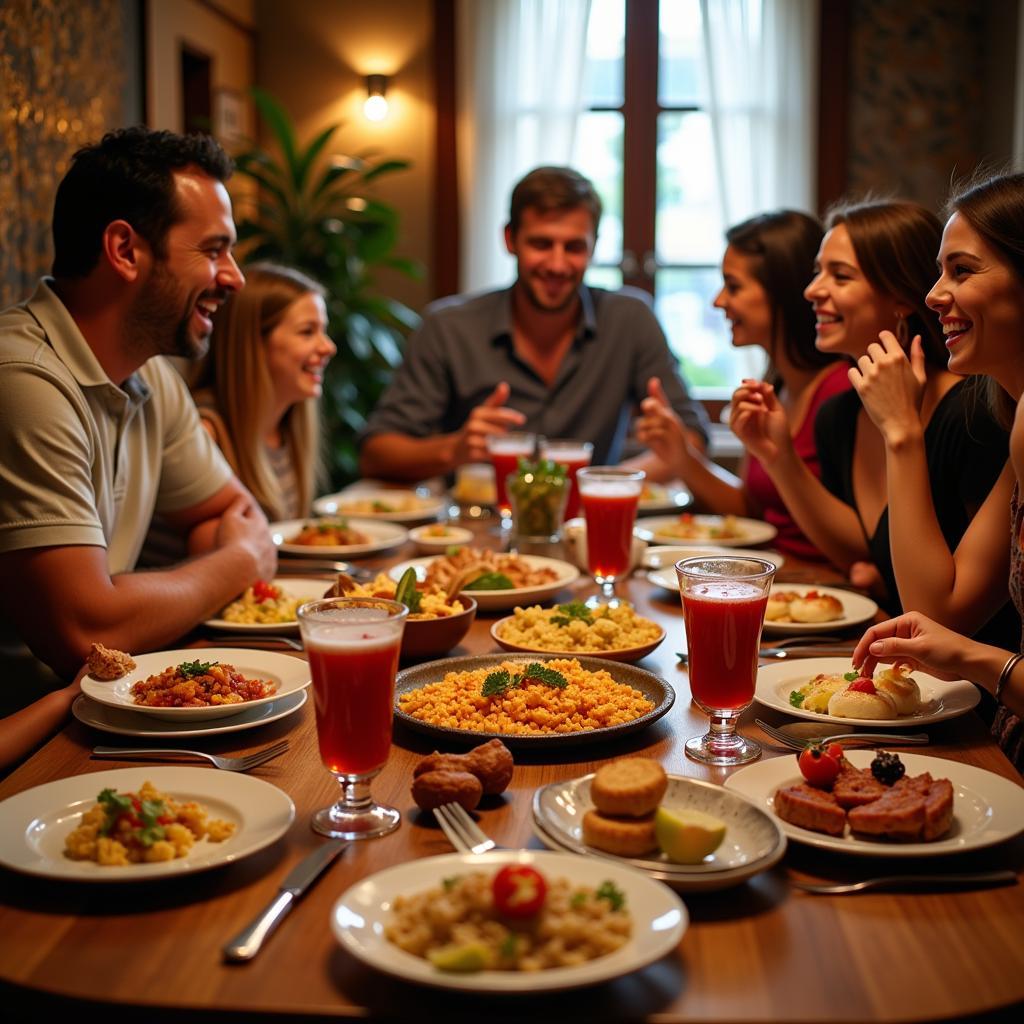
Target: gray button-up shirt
(464, 347)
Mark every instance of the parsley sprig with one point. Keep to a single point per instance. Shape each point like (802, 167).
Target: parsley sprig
(502, 680)
(612, 893)
(148, 813)
(565, 613)
(850, 676)
(796, 698)
(191, 669)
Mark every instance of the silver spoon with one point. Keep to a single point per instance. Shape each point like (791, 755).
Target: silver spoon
(798, 734)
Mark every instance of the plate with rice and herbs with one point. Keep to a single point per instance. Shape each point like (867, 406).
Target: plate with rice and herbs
(617, 633)
(529, 700)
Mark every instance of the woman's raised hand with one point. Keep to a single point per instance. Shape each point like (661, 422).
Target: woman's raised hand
(759, 421)
(915, 639)
(891, 387)
(660, 429)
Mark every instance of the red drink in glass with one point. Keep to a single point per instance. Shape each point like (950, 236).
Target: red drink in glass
(723, 630)
(574, 455)
(505, 451)
(610, 513)
(354, 692)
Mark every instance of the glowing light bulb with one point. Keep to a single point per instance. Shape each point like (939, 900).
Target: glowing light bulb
(375, 108)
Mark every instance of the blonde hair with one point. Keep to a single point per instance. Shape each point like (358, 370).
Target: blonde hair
(235, 374)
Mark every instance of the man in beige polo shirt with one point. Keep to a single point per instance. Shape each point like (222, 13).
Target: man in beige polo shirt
(97, 430)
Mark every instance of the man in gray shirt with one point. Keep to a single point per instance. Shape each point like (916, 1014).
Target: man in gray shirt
(549, 355)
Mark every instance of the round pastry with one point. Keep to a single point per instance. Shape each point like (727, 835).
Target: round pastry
(901, 687)
(625, 837)
(815, 607)
(858, 704)
(632, 787)
(777, 609)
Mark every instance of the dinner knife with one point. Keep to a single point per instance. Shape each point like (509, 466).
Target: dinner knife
(247, 943)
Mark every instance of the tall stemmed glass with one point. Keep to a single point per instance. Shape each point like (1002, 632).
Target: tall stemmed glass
(353, 645)
(724, 600)
(610, 496)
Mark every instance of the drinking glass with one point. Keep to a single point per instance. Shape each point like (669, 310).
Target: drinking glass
(574, 455)
(353, 644)
(505, 451)
(610, 496)
(724, 599)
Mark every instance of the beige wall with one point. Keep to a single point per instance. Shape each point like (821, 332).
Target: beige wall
(313, 56)
(171, 23)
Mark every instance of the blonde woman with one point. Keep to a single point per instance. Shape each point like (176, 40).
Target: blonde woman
(258, 393)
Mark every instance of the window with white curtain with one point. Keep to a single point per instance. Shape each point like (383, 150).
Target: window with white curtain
(688, 115)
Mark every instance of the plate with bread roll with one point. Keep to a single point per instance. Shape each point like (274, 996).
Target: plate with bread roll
(831, 690)
(689, 833)
(810, 609)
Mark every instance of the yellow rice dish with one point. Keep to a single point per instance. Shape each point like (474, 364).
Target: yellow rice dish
(577, 629)
(588, 700)
(262, 604)
(434, 603)
(142, 828)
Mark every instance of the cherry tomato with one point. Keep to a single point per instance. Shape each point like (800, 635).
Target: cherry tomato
(862, 685)
(264, 591)
(519, 891)
(818, 766)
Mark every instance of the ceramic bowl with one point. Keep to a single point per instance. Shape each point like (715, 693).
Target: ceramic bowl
(425, 638)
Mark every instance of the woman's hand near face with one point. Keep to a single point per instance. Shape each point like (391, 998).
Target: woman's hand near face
(891, 387)
(660, 429)
(758, 419)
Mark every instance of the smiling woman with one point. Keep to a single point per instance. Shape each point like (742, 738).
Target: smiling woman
(259, 389)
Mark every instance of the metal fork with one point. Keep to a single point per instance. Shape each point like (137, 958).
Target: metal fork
(462, 831)
(910, 881)
(889, 739)
(231, 764)
(251, 639)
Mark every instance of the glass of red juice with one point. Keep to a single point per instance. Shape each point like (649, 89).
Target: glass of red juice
(574, 455)
(353, 645)
(724, 599)
(610, 496)
(505, 451)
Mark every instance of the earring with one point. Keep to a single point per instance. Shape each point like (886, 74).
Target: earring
(902, 331)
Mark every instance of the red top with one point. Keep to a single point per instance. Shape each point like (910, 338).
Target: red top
(761, 490)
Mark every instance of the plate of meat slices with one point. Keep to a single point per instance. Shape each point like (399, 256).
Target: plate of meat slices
(801, 609)
(934, 807)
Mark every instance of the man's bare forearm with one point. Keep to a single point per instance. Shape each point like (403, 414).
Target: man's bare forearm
(401, 457)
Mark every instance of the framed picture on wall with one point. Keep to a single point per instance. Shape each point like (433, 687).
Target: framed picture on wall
(228, 116)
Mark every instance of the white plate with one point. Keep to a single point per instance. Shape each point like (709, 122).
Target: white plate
(940, 699)
(413, 507)
(498, 600)
(664, 498)
(35, 823)
(856, 609)
(383, 537)
(753, 840)
(753, 531)
(361, 914)
(129, 723)
(986, 807)
(454, 536)
(662, 559)
(305, 588)
(290, 674)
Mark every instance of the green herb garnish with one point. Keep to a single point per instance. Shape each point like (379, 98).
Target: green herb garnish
(491, 581)
(565, 613)
(501, 680)
(578, 899)
(191, 669)
(508, 947)
(406, 592)
(796, 698)
(851, 676)
(449, 883)
(612, 893)
(382, 506)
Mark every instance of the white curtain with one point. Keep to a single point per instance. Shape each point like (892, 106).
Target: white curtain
(520, 78)
(762, 79)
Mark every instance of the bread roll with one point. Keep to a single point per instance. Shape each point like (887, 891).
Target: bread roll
(625, 837)
(857, 704)
(632, 787)
(815, 607)
(901, 687)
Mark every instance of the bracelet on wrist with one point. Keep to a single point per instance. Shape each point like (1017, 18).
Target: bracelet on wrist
(1004, 676)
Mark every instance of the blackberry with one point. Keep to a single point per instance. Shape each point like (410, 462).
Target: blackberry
(887, 768)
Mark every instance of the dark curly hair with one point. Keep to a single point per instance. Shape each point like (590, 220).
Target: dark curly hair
(127, 175)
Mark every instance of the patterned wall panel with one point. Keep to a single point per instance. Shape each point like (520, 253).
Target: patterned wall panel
(62, 71)
(916, 90)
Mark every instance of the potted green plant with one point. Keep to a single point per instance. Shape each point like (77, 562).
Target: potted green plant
(319, 214)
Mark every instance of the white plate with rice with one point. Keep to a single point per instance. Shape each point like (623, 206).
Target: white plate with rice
(286, 673)
(364, 911)
(295, 590)
(393, 506)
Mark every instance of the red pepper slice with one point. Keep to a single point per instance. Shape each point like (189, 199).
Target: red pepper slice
(519, 891)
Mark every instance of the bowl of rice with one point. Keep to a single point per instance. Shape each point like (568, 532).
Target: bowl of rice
(617, 633)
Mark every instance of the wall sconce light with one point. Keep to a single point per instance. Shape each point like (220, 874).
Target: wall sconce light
(375, 107)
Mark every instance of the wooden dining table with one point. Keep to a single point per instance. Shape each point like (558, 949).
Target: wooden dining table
(760, 951)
